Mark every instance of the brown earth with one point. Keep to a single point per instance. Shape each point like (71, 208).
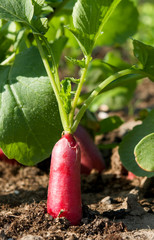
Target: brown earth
(114, 208)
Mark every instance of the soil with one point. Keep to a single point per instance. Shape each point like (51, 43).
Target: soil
(114, 207)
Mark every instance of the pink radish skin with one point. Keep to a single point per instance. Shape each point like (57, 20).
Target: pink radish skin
(64, 190)
(131, 176)
(91, 157)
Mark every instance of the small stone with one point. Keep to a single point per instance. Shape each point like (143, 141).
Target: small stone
(16, 192)
(31, 237)
(106, 200)
(103, 115)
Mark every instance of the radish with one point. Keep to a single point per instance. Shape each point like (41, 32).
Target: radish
(64, 190)
(131, 176)
(91, 157)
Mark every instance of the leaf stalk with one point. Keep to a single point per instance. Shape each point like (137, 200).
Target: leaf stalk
(134, 74)
(63, 115)
(78, 91)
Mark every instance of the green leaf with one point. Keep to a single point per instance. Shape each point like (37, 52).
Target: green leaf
(144, 152)
(80, 63)
(109, 124)
(120, 26)
(29, 119)
(57, 47)
(16, 10)
(89, 17)
(130, 141)
(65, 94)
(39, 25)
(145, 54)
(54, 3)
(84, 40)
(38, 4)
(20, 41)
(146, 25)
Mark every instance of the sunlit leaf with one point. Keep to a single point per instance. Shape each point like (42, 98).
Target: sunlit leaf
(144, 153)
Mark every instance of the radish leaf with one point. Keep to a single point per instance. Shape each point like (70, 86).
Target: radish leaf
(130, 141)
(120, 26)
(144, 152)
(89, 17)
(145, 54)
(16, 10)
(65, 94)
(29, 117)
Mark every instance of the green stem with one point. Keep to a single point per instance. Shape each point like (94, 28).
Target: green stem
(9, 59)
(134, 74)
(78, 91)
(53, 62)
(63, 115)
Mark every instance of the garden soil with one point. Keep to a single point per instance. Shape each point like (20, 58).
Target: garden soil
(114, 207)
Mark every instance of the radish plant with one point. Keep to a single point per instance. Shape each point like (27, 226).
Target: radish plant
(36, 106)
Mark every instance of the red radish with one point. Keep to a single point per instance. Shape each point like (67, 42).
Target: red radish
(64, 190)
(4, 158)
(91, 157)
(131, 175)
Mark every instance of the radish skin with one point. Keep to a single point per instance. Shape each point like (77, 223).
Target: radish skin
(91, 157)
(64, 190)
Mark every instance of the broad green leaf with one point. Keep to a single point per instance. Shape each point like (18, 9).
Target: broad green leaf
(144, 153)
(145, 31)
(69, 6)
(145, 54)
(65, 94)
(54, 3)
(38, 4)
(109, 124)
(16, 10)
(57, 46)
(89, 17)
(122, 24)
(130, 141)
(84, 40)
(29, 118)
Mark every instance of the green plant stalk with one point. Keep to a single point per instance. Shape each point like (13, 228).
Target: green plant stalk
(78, 91)
(134, 74)
(53, 62)
(63, 115)
(8, 60)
